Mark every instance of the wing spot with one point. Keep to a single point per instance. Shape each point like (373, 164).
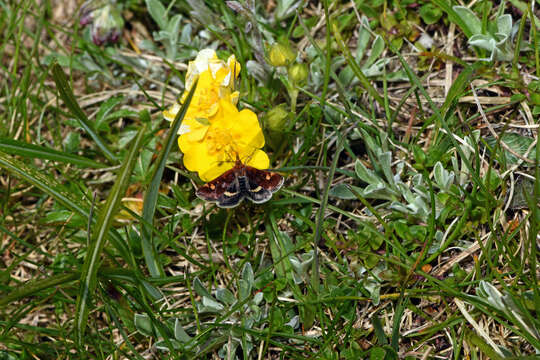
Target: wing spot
(268, 176)
(212, 186)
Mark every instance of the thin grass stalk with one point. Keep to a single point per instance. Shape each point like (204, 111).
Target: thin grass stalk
(150, 199)
(106, 217)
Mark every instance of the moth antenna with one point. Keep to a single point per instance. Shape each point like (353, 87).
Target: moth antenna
(250, 156)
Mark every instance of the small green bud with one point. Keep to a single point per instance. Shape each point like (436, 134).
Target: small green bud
(281, 55)
(298, 73)
(276, 118)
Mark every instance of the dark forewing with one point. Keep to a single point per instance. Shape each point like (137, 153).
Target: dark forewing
(233, 186)
(215, 189)
(268, 180)
(261, 184)
(232, 196)
(259, 195)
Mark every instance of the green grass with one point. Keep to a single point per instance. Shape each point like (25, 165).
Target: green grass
(407, 226)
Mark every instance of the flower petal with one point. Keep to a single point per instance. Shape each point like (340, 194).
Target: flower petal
(258, 160)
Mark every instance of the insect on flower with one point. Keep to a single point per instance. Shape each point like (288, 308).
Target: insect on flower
(240, 182)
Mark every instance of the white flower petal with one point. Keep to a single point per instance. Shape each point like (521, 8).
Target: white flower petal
(184, 129)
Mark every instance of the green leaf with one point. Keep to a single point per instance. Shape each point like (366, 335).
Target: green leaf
(106, 217)
(517, 143)
(365, 174)
(157, 12)
(244, 289)
(376, 50)
(247, 274)
(430, 13)
(377, 353)
(472, 22)
(459, 86)
(355, 67)
(456, 18)
(179, 333)
(342, 191)
(104, 110)
(210, 304)
(66, 93)
(363, 38)
(32, 151)
(143, 324)
(200, 289)
(72, 142)
(378, 329)
(59, 192)
(151, 196)
(225, 296)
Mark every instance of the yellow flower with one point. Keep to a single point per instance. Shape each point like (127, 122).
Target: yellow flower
(211, 148)
(216, 82)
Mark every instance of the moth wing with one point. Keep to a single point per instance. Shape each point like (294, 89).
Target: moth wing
(232, 196)
(261, 184)
(268, 180)
(215, 189)
(259, 195)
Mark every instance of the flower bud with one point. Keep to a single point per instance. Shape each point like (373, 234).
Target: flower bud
(105, 22)
(298, 73)
(281, 55)
(276, 118)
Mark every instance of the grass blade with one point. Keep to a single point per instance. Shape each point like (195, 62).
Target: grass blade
(35, 286)
(55, 189)
(150, 199)
(43, 182)
(33, 151)
(106, 217)
(66, 93)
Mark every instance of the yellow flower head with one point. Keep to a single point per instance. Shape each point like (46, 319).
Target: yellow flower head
(211, 148)
(216, 82)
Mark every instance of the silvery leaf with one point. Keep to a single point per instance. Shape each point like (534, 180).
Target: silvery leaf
(504, 24)
(247, 274)
(365, 174)
(244, 289)
(469, 17)
(162, 345)
(483, 42)
(200, 289)
(363, 38)
(258, 298)
(442, 177)
(377, 47)
(490, 294)
(297, 266)
(294, 322)
(225, 296)
(179, 333)
(212, 304)
(342, 191)
(143, 324)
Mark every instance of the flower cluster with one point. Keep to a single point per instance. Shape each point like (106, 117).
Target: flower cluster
(214, 133)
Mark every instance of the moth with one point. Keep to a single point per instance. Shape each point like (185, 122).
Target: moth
(240, 182)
